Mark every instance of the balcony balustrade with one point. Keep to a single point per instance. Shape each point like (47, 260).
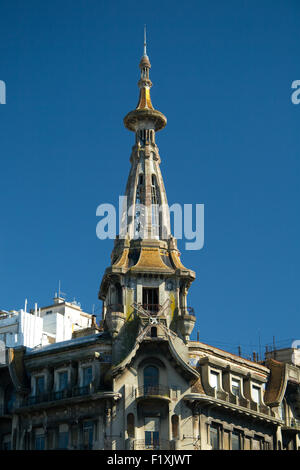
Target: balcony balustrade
(152, 308)
(59, 395)
(153, 391)
(187, 310)
(161, 444)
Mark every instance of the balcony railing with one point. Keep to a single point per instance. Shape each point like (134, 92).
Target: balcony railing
(115, 308)
(187, 310)
(59, 395)
(152, 390)
(294, 423)
(152, 308)
(161, 444)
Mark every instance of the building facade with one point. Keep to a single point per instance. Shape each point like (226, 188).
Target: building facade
(137, 381)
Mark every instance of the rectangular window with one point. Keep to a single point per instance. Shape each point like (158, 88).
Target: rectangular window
(214, 379)
(62, 381)
(257, 443)
(39, 442)
(88, 434)
(256, 394)
(214, 437)
(236, 441)
(40, 385)
(63, 440)
(87, 375)
(152, 433)
(150, 300)
(6, 444)
(236, 387)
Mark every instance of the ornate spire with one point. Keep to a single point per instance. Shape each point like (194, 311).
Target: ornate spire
(144, 111)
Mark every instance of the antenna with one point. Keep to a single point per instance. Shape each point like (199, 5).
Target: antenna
(25, 306)
(145, 41)
(60, 293)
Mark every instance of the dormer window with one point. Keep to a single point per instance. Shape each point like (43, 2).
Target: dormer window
(236, 387)
(256, 394)
(87, 375)
(214, 379)
(40, 385)
(62, 380)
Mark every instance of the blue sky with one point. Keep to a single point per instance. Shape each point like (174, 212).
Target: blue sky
(222, 74)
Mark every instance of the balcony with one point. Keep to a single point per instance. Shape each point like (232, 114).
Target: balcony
(59, 395)
(293, 423)
(153, 309)
(187, 310)
(153, 391)
(161, 444)
(115, 308)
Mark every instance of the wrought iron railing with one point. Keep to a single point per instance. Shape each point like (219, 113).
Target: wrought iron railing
(294, 423)
(161, 444)
(187, 310)
(152, 390)
(152, 308)
(59, 395)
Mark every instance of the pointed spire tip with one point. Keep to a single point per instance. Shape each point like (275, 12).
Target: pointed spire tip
(145, 41)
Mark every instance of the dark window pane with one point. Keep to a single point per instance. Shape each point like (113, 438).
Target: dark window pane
(87, 375)
(63, 440)
(214, 437)
(40, 442)
(236, 442)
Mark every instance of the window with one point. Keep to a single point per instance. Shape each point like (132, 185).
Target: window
(88, 434)
(155, 200)
(139, 219)
(282, 411)
(215, 379)
(214, 437)
(62, 380)
(152, 433)
(175, 427)
(130, 425)
(153, 332)
(6, 443)
(39, 442)
(151, 375)
(150, 300)
(63, 439)
(256, 394)
(87, 375)
(40, 385)
(235, 441)
(236, 387)
(257, 443)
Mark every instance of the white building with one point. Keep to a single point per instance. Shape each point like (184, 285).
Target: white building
(46, 325)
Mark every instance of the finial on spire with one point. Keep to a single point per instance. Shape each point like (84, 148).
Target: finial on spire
(145, 41)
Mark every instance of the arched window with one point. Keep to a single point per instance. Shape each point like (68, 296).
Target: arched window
(139, 211)
(151, 379)
(119, 295)
(156, 203)
(130, 425)
(175, 427)
(153, 332)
